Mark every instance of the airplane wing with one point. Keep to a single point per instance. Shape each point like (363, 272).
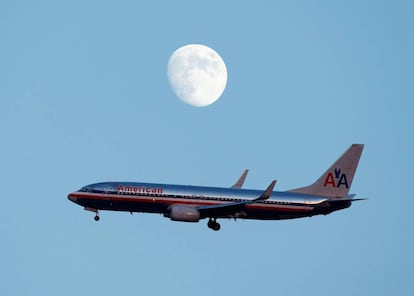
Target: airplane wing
(230, 209)
(240, 181)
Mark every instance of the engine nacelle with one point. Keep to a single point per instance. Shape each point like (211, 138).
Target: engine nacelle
(184, 214)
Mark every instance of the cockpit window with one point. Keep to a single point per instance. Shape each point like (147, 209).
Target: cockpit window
(98, 188)
(86, 189)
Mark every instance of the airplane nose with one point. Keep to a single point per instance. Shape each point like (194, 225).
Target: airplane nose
(71, 197)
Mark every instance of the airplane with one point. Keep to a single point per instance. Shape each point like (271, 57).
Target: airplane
(329, 193)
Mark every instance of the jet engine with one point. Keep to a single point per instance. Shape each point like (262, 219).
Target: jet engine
(184, 213)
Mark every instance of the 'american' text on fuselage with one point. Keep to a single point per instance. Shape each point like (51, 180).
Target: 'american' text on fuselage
(138, 189)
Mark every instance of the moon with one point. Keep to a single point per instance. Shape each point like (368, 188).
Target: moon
(197, 74)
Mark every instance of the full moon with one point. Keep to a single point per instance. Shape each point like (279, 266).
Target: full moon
(197, 74)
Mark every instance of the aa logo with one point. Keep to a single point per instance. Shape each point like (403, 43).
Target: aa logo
(336, 180)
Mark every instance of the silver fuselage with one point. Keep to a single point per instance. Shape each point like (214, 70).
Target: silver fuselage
(158, 198)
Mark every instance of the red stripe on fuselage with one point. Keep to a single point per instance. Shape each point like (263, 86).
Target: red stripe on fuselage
(188, 201)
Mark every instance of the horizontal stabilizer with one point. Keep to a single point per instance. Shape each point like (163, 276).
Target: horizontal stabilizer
(347, 199)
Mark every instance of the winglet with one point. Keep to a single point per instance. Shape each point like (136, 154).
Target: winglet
(240, 182)
(267, 193)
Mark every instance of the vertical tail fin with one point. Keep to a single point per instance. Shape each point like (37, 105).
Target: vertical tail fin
(337, 180)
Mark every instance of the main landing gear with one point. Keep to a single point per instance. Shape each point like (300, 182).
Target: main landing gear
(212, 224)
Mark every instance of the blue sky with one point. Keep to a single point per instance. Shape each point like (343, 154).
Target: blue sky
(85, 98)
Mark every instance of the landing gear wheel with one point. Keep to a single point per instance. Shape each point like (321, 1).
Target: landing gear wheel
(212, 224)
(216, 226)
(96, 218)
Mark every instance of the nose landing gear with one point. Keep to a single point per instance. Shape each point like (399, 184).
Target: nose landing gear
(212, 224)
(95, 211)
